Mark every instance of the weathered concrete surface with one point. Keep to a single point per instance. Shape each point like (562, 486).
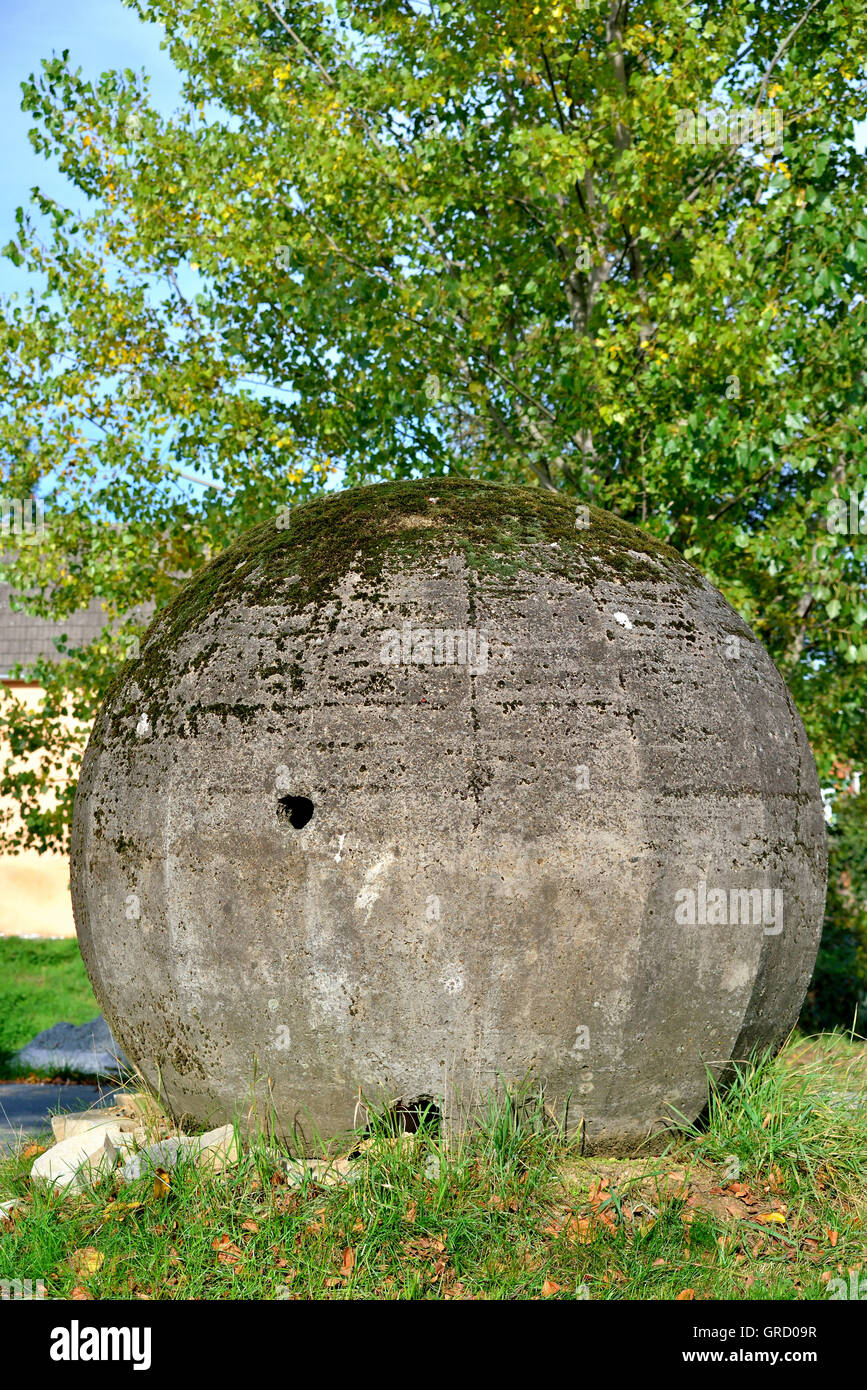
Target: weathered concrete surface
(495, 878)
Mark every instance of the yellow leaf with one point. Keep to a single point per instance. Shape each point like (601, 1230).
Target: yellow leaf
(86, 1261)
(119, 1209)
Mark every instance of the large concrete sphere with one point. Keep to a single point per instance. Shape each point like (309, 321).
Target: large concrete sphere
(589, 850)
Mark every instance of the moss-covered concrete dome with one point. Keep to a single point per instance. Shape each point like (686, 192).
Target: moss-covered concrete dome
(430, 786)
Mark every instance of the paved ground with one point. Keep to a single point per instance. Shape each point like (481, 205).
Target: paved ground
(26, 1109)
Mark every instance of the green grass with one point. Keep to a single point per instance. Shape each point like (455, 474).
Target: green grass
(787, 1114)
(41, 983)
(508, 1211)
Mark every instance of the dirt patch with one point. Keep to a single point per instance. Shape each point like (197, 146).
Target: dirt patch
(641, 1187)
(848, 1067)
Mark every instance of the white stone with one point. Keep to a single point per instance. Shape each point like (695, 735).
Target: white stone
(216, 1150)
(118, 1145)
(68, 1126)
(74, 1163)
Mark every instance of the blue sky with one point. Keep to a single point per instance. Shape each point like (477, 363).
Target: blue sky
(100, 34)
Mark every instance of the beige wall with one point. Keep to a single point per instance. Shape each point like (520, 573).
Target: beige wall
(34, 888)
(34, 895)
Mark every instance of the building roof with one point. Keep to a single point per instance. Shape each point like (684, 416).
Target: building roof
(23, 639)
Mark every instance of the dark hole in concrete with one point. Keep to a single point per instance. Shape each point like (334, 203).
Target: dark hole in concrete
(408, 1116)
(404, 1117)
(296, 809)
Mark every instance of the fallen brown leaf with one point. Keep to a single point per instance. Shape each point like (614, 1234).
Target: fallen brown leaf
(583, 1231)
(426, 1246)
(228, 1252)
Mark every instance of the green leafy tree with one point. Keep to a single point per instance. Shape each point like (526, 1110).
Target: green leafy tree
(612, 249)
(838, 991)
